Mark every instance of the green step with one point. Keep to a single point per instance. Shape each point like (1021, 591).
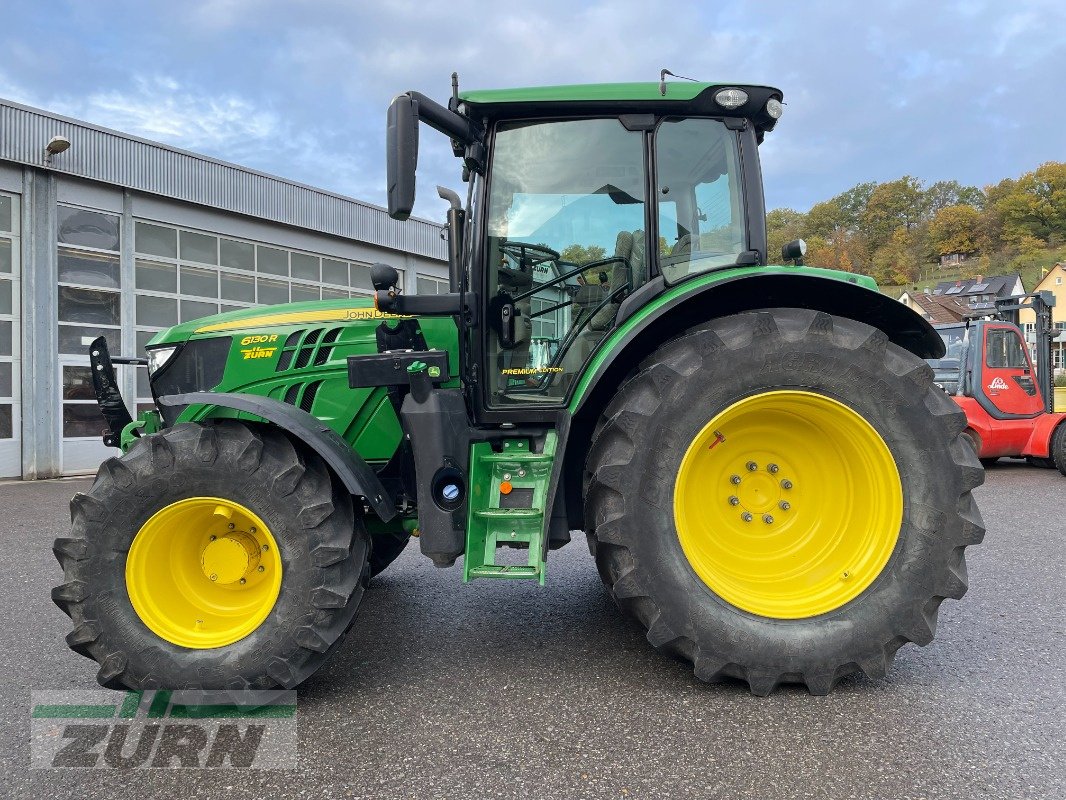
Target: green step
(509, 513)
(511, 572)
(516, 458)
(490, 527)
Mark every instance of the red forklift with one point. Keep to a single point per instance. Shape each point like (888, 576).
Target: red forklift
(1008, 404)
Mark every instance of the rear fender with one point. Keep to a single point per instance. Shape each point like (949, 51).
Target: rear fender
(357, 476)
(1044, 427)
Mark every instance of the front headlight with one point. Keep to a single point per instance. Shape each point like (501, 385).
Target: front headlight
(158, 356)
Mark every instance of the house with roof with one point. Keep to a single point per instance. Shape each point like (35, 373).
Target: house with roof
(940, 309)
(980, 293)
(1055, 282)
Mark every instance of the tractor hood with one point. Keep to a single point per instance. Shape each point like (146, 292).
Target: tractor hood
(254, 319)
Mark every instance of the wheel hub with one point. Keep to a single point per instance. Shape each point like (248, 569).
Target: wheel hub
(759, 492)
(230, 558)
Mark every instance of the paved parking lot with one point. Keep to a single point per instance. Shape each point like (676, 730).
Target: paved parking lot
(509, 690)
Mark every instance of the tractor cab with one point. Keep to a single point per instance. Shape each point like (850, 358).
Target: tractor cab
(569, 186)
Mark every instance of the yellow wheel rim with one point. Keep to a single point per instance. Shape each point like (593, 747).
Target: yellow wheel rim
(788, 504)
(203, 572)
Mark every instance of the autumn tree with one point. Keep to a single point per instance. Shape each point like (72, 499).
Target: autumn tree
(782, 226)
(897, 261)
(825, 219)
(1034, 205)
(956, 229)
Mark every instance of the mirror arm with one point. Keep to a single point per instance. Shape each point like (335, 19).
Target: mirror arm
(447, 122)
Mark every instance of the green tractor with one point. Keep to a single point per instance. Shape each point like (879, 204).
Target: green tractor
(768, 478)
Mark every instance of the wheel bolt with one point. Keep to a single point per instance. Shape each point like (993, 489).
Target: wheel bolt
(231, 526)
(262, 569)
(746, 516)
(785, 505)
(734, 501)
(786, 484)
(767, 519)
(251, 530)
(213, 537)
(214, 577)
(734, 479)
(772, 468)
(752, 466)
(265, 547)
(243, 581)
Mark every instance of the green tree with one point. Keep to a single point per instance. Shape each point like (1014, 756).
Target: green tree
(893, 205)
(944, 194)
(580, 254)
(956, 229)
(852, 203)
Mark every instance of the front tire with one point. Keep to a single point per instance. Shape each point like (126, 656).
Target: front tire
(211, 556)
(760, 603)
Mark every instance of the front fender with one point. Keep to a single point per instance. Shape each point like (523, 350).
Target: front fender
(718, 294)
(358, 477)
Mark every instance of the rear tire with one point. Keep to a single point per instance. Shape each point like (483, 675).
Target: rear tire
(637, 454)
(1058, 447)
(321, 542)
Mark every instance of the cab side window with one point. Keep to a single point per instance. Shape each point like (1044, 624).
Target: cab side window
(700, 203)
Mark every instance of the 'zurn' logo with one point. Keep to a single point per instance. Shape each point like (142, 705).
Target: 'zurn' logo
(163, 730)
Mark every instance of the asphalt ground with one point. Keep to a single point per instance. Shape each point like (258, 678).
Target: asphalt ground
(500, 689)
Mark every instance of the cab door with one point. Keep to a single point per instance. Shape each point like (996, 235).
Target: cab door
(1007, 382)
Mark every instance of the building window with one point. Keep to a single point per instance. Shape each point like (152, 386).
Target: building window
(89, 305)
(427, 284)
(182, 275)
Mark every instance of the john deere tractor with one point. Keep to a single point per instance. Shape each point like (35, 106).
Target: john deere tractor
(769, 480)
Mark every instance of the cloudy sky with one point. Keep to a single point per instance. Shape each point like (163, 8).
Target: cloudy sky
(298, 88)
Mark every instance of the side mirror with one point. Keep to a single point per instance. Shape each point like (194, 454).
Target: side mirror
(402, 155)
(794, 251)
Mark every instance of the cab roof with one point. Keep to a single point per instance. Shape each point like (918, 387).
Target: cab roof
(683, 98)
